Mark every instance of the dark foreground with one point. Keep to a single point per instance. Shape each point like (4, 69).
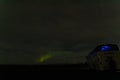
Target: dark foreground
(42, 67)
(69, 67)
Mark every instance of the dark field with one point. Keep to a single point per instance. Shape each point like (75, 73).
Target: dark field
(43, 67)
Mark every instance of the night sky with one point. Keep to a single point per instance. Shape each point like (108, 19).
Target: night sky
(62, 24)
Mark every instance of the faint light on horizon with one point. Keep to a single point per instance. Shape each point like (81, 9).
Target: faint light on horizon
(44, 58)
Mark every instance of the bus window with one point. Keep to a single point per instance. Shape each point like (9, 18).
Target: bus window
(109, 48)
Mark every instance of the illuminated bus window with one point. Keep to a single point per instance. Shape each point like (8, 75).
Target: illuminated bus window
(106, 48)
(109, 48)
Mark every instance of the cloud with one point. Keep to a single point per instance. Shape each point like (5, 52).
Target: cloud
(66, 24)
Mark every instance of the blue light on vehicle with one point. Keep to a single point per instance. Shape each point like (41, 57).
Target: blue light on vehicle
(106, 48)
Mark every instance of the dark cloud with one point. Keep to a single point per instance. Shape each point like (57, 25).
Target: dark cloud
(60, 24)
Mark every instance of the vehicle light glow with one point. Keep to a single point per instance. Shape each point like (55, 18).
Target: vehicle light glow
(106, 48)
